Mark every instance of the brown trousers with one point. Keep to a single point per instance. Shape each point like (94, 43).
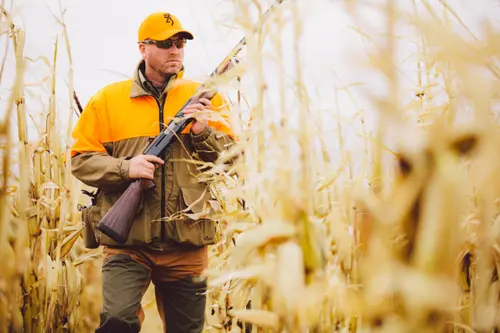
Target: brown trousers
(180, 294)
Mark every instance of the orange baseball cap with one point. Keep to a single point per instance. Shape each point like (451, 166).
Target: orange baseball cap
(161, 26)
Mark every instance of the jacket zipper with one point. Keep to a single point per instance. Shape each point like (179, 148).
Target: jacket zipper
(162, 187)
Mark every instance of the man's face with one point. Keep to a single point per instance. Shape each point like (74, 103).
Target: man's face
(164, 61)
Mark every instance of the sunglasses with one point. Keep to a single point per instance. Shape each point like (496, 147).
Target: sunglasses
(166, 44)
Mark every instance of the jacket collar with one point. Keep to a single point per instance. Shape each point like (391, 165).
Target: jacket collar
(139, 81)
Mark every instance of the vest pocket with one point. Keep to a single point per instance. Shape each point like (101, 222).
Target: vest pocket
(192, 227)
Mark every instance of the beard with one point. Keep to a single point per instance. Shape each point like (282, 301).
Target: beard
(168, 68)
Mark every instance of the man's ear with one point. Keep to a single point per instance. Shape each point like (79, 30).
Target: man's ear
(142, 49)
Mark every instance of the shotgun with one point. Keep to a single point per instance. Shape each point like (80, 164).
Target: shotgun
(117, 221)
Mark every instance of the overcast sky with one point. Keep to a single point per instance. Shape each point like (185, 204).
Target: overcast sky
(103, 36)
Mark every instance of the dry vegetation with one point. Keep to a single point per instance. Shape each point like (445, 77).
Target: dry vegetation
(403, 237)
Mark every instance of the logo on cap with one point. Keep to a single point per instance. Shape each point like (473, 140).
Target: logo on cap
(168, 18)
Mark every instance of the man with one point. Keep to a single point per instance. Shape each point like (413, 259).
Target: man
(117, 124)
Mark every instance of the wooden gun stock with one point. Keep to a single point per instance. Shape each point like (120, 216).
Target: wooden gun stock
(118, 221)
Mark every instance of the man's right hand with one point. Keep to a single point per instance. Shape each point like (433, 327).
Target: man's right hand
(142, 166)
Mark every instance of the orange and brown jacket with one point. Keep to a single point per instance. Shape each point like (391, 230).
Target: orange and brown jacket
(117, 124)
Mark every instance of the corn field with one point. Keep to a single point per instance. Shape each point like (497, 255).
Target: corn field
(339, 218)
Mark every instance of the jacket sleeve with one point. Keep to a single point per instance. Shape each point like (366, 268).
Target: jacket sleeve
(90, 162)
(215, 138)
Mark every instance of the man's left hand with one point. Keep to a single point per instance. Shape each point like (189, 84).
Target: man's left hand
(201, 120)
